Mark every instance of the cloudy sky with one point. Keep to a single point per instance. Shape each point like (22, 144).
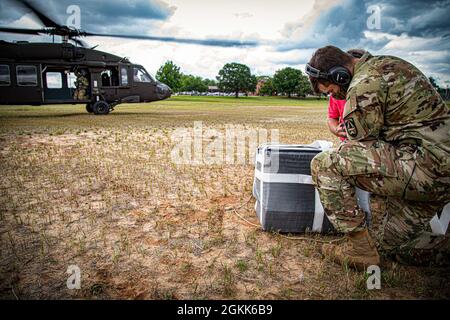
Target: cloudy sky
(287, 31)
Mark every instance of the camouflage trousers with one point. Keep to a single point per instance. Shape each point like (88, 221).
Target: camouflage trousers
(407, 188)
(80, 94)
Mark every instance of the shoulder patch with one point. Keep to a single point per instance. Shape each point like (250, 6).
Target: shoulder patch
(350, 127)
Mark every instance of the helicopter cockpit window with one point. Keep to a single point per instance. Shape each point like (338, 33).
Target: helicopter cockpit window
(5, 77)
(26, 76)
(141, 76)
(54, 80)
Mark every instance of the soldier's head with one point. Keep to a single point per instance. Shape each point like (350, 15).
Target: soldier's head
(330, 71)
(356, 53)
(80, 72)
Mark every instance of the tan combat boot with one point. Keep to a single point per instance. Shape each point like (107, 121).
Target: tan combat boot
(358, 251)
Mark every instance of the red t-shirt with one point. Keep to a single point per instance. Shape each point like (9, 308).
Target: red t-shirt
(336, 110)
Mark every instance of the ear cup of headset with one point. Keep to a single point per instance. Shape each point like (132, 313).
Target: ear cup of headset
(340, 75)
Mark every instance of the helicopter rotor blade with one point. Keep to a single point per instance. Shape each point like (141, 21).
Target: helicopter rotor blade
(57, 29)
(205, 42)
(22, 31)
(80, 42)
(49, 23)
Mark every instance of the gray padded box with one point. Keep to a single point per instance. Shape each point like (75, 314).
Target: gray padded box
(289, 201)
(286, 200)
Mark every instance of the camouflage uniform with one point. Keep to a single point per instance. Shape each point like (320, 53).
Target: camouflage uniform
(399, 150)
(81, 84)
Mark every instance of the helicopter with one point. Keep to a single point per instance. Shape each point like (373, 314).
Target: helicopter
(69, 72)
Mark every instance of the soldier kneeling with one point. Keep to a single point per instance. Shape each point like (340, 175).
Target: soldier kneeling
(398, 149)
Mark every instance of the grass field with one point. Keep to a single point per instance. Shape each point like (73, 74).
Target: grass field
(103, 193)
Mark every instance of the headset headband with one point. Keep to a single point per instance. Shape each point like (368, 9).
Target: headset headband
(316, 73)
(338, 75)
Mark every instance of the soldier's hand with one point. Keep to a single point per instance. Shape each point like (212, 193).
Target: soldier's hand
(340, 131)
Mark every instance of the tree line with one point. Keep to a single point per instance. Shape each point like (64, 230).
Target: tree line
(444, 92)
(237, 78)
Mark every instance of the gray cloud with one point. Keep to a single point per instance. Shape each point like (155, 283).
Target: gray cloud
(95, 15)
(416, 18)
(243, 15)
(138, 18)
(346, 22)
(425, 23)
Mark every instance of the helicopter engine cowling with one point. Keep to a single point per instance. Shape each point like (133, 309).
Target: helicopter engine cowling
(36, 51)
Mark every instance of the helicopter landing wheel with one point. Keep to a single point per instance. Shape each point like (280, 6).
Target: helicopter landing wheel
(101, 107)
(89, 108)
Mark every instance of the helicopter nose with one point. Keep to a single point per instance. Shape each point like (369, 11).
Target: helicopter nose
(164, 90)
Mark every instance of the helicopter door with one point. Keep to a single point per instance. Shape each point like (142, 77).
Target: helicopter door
(143, 84)
(110, 83)
(58, 86)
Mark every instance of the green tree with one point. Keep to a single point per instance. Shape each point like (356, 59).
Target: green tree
(193, 83)
(443, 92)
(210, 82)
(236, 77)
(267, 88)
(170, 74)
(252, 84)
(287, 80)
(434, 83)
(304, 86)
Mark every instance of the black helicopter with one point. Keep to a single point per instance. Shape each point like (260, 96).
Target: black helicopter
(54, 73)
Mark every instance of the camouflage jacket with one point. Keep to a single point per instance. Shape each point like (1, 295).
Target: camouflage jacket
(81, 82)
(390, 99)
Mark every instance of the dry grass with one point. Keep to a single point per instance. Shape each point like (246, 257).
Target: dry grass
(101, 192)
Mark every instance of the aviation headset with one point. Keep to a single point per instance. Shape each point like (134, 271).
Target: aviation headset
(338, 75)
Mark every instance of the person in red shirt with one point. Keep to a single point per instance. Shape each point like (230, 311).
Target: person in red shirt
(336, 107)
(335, 118)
